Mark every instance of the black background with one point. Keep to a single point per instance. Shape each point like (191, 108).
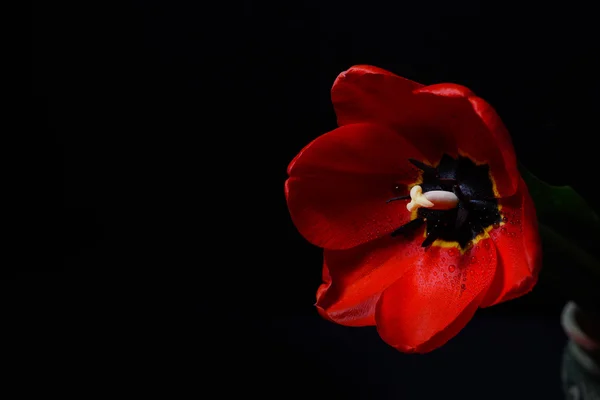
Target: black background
(166, 130)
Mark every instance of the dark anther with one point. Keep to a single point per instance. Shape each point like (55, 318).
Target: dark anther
(476, 227)
(477, 207)
(431, 237)
(481, 205)
(447, 168)
(408, 227)
(458, 192)
(447, 181)
(422, 166)
(398, 198)
(461, 216)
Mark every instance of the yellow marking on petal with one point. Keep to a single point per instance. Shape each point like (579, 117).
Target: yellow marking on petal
(454, 244)
(448, 245)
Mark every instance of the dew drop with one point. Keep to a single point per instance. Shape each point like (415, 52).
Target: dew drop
(473, 260)
(486, 244)
(435, 273)
(504, 219)
(398, 189)
(463, 286)
(445, 275)
(451, 268)
(503, 230)
(512, 234)
(496, 224)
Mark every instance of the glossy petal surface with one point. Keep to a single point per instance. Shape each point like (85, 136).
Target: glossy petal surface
(437, 119)
(435, 299)
(354, 279)
(339, 185)
(519, 249)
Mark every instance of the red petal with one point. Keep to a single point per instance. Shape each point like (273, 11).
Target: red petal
(339, 185)
(430, 304)
(354, 279)
(370, 94)
(437, 119)
(366, 93)
(477, 130)
(519, 249)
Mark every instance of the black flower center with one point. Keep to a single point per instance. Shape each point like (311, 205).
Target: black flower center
(477, 207)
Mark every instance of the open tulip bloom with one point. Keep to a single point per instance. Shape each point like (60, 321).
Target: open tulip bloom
(419, 206)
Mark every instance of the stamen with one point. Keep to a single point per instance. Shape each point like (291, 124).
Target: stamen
(476, 227)
(398, 198)
(422, 166)
(455, 200)
(447, 181)
(458, 192)
(461, 217)
(431, 237)
(481, 204)
(409, 227)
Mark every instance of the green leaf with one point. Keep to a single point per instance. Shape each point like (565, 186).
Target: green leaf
(562, 207)
(570, 231)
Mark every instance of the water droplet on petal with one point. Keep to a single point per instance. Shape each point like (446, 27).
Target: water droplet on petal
(398, 189)
(451, 268)
(473, 260)
(463, 286)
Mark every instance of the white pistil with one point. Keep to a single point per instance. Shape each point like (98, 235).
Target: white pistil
(435, 199)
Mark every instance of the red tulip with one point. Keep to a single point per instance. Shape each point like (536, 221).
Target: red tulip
(420, 208)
